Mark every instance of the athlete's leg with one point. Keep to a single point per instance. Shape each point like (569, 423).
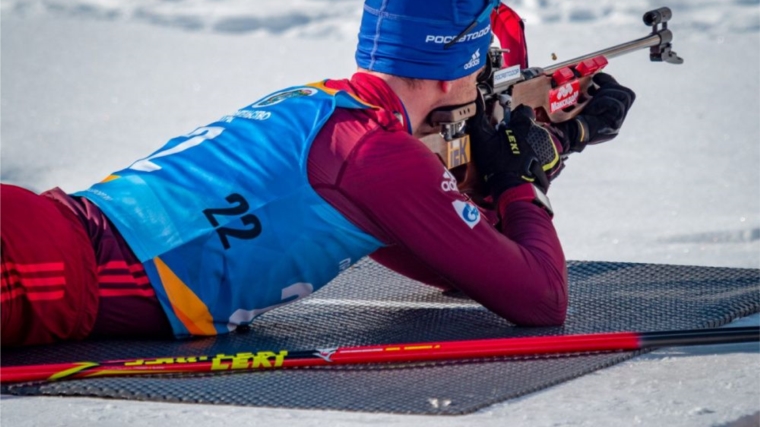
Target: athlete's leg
(49, 284)
(128, 306)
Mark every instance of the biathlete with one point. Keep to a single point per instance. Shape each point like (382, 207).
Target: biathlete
(268, 204)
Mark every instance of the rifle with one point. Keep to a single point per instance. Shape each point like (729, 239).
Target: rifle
(557, 93)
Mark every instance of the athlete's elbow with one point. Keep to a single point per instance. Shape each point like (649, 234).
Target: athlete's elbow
(543, 313)
(544, 304)
(551, 315)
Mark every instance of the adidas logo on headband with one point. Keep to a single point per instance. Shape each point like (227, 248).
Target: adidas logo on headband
(474, 61)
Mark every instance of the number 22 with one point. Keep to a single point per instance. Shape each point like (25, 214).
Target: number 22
(240, 207)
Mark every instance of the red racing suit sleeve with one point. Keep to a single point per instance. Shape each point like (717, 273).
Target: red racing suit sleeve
(392, 186)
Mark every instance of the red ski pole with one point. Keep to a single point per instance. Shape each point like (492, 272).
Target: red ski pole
(414, 352)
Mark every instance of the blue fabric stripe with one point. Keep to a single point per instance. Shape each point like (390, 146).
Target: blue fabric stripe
(377, 34)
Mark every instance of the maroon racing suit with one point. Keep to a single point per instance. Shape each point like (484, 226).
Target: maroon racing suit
(364, 163)
(389, 184)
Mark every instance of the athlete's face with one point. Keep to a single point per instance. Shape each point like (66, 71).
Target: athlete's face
(448, 94)
(463, 90)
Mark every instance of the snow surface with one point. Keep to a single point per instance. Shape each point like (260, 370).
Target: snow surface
(90, 85)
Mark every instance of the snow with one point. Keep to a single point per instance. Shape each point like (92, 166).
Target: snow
(90, 85)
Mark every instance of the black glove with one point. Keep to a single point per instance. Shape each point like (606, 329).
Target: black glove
(601, 118)
(510, 155)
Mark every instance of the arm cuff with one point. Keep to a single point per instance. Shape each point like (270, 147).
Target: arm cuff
(526, 192)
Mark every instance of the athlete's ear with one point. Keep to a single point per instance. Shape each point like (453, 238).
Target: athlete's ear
(445, 86)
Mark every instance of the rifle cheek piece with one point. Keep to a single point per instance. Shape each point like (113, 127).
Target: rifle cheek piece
(451, 119)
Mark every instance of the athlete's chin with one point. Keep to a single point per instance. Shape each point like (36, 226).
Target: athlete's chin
(426, 130)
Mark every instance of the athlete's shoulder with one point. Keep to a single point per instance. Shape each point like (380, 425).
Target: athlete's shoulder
(398, 151)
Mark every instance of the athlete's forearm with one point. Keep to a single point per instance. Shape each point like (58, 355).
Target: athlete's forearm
(531, 228)
(518, 274)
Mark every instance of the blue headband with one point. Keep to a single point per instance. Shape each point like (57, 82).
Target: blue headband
(425, 39)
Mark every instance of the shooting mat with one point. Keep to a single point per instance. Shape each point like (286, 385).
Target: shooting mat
(369, 304)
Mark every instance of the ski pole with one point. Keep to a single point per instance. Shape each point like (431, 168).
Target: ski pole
(414, 352)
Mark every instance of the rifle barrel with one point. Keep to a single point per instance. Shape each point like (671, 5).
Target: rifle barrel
(654, 39)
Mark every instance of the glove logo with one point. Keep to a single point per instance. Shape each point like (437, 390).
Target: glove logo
(469, 213)
(513, 143)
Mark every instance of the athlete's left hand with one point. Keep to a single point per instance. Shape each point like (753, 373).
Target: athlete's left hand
(601, 119)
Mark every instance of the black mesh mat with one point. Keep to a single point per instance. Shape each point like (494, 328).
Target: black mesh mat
(371, 305)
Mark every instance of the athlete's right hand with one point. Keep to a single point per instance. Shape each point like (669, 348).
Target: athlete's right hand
(507, 156)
